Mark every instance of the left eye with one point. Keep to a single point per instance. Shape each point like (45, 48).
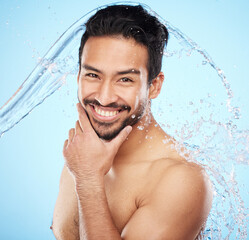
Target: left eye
(125, 79)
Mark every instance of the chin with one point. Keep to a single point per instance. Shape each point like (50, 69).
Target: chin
(107, 134)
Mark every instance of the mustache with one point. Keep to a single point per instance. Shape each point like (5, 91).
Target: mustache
(111, 105)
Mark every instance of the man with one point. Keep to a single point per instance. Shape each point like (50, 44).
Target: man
(123, 178)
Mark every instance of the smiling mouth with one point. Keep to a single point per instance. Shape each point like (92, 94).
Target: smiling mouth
(105, 113)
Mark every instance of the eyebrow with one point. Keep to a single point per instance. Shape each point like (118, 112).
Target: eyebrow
(131, 70)
(88, 67)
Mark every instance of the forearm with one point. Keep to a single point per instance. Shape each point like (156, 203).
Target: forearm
(95, 221)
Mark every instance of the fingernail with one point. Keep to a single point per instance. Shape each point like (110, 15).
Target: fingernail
(128, 129)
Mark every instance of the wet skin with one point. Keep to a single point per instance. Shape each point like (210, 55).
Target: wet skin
(135, 186)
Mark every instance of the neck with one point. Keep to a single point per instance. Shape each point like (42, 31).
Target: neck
(141, 134)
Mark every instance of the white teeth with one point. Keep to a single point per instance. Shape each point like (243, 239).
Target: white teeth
(105, 113)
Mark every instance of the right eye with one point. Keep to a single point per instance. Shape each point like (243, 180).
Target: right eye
(92, 75)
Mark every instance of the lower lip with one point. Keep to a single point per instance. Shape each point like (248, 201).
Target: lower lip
(104, 118)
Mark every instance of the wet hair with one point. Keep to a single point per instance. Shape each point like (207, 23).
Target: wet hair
(130, 22)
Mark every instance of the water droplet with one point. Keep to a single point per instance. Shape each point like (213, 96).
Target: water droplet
(140, 127)
(236, 112)
(133, 116)
(165, 141)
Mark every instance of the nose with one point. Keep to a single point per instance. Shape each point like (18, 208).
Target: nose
(106, 94)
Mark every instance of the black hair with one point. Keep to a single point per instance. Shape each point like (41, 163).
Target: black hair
(130, 22)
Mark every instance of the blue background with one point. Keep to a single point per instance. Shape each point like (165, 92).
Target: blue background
(30, 154)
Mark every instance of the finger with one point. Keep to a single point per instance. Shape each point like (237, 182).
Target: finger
(117, 141)
(71, 135)
(65, 146)
(78, 129)
(83, 119)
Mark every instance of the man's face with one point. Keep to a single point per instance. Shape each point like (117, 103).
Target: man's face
(113, 83)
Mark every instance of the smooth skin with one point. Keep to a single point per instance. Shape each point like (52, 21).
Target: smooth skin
(135, 186)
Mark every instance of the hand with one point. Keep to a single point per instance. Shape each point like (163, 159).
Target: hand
(86, 155)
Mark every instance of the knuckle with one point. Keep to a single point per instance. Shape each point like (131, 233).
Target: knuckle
(77, 137)
(64, 152)
(87, 133)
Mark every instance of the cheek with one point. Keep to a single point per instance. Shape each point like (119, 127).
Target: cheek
(137, 101)
(84, 90)
(141, 95)
(138, 97)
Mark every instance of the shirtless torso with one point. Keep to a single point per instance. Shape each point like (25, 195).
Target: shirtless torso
(123, 178)
(153, 188)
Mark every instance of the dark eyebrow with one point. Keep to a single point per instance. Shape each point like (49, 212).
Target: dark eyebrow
(88, 67)
(132, 70)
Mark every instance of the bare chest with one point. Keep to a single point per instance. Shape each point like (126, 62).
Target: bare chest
(121, 197)
(121, 201)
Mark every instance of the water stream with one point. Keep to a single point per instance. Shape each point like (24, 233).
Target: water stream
(203, 118)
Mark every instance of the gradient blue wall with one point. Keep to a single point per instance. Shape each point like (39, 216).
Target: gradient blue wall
(30, 153)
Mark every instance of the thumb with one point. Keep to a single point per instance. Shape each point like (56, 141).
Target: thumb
(118, 140)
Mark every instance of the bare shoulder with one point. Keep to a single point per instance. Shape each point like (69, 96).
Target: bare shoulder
(185, 182)
(177, 202)
(184, 173)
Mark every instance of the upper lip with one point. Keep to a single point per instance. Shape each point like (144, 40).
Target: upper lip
(111, 109)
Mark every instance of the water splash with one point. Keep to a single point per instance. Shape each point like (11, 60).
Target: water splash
(210, 135)
(48, 76)
(203, 121)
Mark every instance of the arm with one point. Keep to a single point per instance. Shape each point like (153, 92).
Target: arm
(68, 215)
(65, 217)
(176, 209)
(94, 215)
(88, 159)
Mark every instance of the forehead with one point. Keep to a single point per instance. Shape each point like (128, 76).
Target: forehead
(107, 52)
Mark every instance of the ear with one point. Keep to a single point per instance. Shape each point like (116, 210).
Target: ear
(156, 85)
